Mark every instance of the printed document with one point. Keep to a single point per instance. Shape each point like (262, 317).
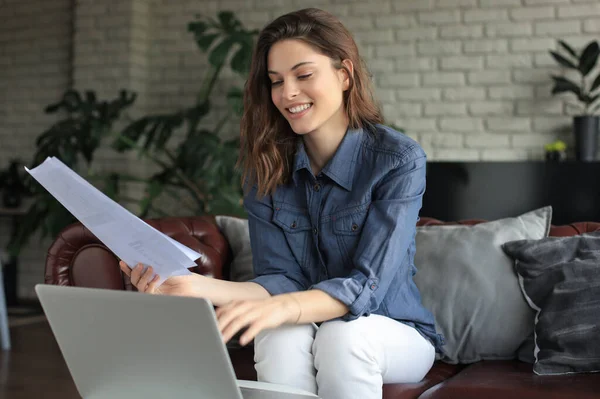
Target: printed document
(128, 237)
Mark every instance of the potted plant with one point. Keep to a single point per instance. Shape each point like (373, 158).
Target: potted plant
(197, 172)
(585, 124)
(556, 151)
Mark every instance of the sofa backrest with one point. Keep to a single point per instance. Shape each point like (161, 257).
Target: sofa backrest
(79, 258)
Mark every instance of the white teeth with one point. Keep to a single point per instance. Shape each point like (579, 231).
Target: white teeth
(299, 108)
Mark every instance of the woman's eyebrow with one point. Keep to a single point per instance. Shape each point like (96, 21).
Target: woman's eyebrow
(298, 65)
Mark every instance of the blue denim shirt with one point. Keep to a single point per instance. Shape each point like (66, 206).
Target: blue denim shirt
(350, 230)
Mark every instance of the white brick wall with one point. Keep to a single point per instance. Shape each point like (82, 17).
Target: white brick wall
(35, 64)
(469, 79)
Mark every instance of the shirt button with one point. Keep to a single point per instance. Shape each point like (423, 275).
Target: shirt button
(293, 226)
(317, 187)
(373, 286)
(315, 230)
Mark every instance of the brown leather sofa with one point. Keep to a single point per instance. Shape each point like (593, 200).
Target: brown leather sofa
(78, 258)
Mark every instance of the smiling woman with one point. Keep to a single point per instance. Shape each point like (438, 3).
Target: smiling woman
(333, 198)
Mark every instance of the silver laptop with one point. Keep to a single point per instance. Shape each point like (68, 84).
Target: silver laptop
(120, 344)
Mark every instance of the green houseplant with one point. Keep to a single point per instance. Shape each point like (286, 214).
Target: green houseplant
(197, 171)
(586, 123)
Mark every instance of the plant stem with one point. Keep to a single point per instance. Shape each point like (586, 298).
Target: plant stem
(210, 79)
(222, 123)
(184, 179)
(141, 151)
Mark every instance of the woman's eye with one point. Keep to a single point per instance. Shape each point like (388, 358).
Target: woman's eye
(305, 76)
(276, 83)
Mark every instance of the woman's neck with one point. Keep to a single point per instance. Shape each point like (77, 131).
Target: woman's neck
(322, 144)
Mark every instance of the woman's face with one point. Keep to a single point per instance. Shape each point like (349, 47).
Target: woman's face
(305, 87)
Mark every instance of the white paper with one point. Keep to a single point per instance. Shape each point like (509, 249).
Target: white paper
(130, 238)
(191, 254)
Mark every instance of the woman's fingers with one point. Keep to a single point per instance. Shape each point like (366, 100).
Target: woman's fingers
(125, 268)
(253, 331)
(225, 314)
(145, 279)
(152, 285)
(136, 274)
(226, 308)
(237, 324)
(235, 317)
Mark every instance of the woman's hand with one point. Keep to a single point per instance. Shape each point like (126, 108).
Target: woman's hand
(144, 282)
(257, 315)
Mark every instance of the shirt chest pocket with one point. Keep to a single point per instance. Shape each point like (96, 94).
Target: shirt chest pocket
(347, 228)
(297, 229)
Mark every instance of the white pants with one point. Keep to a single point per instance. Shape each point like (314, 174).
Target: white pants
(342, 359)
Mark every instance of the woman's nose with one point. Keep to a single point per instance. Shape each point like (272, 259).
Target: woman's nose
(290, 90)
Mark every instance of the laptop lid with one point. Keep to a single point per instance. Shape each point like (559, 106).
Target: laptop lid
(135, 345)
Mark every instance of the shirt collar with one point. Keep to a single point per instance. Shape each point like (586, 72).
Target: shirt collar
(341, 167)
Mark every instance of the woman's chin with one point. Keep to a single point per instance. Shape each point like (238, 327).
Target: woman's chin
(300, 129)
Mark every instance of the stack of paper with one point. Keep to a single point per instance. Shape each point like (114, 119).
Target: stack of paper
(130, 238)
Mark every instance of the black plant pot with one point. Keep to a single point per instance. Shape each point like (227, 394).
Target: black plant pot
(586, 137)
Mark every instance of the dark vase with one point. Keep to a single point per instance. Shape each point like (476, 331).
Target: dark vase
(586, 137)
(556, 156)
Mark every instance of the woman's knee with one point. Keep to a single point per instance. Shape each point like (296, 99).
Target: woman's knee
(284, 356)
(284, 339)
(340, 341)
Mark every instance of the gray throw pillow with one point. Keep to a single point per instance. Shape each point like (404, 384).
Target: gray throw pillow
(560, 278)
(469, 284)
(236, 232)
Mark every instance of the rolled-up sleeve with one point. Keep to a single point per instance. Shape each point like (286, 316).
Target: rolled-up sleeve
(387, 234)
(275, 267)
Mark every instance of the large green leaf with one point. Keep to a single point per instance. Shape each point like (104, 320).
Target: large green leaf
(240, 62)
(235, 99)
(229, 22)
(197, 28)
(157, 131)
(153, 190)
(568, 48)
(562, 60)
(219, 54)
(595, 84)
(562, 85)
(589, 57)
(205, 41)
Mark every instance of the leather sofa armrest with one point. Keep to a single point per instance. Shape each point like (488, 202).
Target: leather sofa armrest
(78, 258)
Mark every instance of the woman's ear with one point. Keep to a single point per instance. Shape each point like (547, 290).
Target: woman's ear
(346, 77)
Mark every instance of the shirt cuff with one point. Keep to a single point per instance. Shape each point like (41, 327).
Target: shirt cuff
(356, 292)
(276, 284)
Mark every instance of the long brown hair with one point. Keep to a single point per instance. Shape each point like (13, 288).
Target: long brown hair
(268, 143)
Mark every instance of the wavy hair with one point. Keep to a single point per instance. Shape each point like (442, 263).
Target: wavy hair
(268, 143)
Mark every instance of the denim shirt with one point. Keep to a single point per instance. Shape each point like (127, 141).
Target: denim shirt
(350, 230)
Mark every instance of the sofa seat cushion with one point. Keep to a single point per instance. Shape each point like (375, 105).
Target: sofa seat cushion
(438, 373)
(243, 365)
(500, 379)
